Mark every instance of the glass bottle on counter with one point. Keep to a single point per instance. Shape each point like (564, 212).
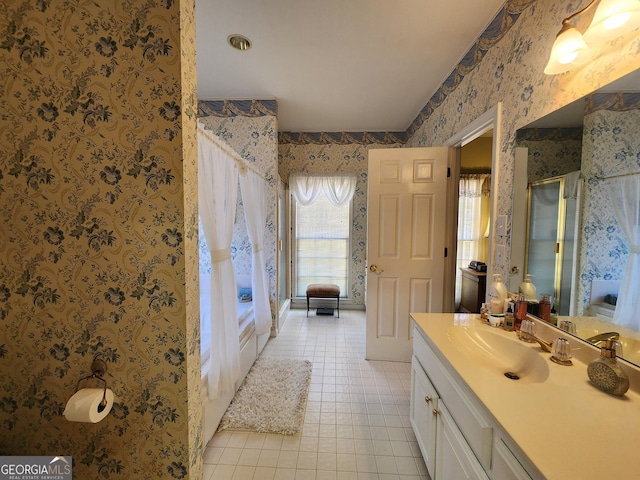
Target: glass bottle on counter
(521, 311)
(509, 320)
(544, 308)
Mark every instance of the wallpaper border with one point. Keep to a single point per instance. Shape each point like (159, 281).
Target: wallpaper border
(553, 134)
(615, 101)
(237, 108)
(499, 26)
(341, 138)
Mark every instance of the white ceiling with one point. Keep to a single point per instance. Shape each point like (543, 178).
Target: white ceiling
(336, 65)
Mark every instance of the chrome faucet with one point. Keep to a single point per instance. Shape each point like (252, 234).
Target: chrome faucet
(546, 346)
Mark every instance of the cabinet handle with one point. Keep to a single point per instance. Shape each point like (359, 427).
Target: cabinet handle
(435, 412)
(427, 399)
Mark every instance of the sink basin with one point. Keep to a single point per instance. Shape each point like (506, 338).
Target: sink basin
(501, 354)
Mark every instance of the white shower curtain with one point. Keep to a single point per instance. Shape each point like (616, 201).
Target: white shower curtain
(625, 197)
(254, 197)
(217, 195)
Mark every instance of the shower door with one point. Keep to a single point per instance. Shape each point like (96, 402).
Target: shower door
(283, 292)
(551, 242)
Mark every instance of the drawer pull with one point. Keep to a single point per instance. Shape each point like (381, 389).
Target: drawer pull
(427, 399)
(435, 412)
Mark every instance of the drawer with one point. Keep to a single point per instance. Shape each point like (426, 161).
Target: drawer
(472, 423)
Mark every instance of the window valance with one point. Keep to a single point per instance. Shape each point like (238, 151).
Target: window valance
(306, 188)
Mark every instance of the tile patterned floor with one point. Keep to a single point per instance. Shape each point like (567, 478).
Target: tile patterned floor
(356, 424)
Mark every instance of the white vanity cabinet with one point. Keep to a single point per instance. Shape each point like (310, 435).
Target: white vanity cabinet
(424, 405)
(457, 437)
(505, 465)
(454, 458)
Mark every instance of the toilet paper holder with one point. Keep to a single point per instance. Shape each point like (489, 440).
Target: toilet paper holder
(98, 369)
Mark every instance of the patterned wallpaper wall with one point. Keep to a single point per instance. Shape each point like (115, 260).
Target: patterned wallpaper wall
(328, 154)
(552, 151)
(252, 133)
(98, 240)
(611, 147)
(504, 65)
(507, 67)
(97, 146)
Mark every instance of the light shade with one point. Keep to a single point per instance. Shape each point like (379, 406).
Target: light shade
(612, 19)
(568, 51)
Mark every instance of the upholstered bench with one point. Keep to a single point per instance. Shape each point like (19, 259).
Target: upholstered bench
(323, 290)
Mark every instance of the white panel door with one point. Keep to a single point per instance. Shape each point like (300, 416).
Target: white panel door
(406, 211)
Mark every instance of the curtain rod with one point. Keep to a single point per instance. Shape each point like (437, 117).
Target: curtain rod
(218, 142)
(618, 176)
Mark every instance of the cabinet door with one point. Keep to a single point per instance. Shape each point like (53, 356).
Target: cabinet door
(424, 399)
(505, 464)
(454, 458)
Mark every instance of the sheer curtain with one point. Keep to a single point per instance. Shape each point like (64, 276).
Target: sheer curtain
(471, 222)
(306, 189)
(254, 196)
(322, 229)
(625, 197)
(217, 195)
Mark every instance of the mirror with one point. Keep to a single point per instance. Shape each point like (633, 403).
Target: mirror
(590, 250)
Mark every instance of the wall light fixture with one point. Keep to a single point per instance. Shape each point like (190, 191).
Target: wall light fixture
(572, 48)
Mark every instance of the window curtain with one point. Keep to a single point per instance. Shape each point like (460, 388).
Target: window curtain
(306, 189)
(217, 195)
(625, 198)
(473, 191)
(254, 196)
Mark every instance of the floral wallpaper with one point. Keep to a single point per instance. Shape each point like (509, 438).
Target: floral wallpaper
(97, 149)
(316, 156)
(252, 133)
(611, 147)
(505, 65)
(510, 71)
(97, 142)
(552, 151)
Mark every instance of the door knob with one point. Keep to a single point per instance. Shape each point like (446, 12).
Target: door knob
(435, 412)
(376, 269)
(427, 399)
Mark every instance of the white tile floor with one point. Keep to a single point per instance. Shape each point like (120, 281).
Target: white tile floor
(356, 424)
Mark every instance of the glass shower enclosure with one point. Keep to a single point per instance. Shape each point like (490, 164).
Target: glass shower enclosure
(551, 248)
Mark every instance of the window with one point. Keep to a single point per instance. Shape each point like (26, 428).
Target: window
(322, 244)
(473, 218)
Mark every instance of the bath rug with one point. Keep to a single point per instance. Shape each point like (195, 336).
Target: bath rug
(271, 399)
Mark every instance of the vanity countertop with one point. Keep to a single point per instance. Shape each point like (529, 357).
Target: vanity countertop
(567, 428)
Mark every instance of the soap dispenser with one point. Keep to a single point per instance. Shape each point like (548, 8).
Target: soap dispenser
(606, 374)
(497, 294)
(527, 288)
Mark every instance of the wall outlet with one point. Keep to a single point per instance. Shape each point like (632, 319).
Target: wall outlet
(501, 225)
(499, 258)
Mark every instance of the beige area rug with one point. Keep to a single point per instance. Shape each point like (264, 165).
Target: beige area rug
(271, 399)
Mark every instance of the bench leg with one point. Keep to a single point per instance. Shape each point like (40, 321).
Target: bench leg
(307, 305)
(338, 299)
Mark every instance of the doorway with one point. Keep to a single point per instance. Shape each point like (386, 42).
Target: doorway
(474, 189)
(490, 121)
